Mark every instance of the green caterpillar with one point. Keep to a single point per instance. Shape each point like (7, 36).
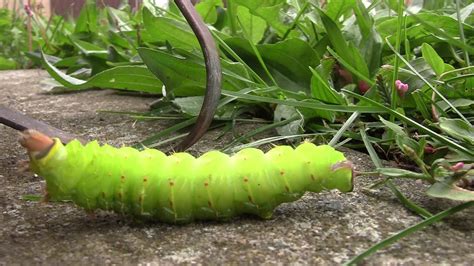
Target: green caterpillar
(180, 188)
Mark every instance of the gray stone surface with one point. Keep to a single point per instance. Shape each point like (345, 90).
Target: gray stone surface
(326, 228)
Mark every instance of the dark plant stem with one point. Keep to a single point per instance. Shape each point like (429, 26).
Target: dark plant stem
(213, 72)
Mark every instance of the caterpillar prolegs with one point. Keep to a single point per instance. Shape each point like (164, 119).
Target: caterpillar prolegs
(180, 188)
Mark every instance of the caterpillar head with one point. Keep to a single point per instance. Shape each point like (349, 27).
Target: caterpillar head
(346, 164)
(36, 143)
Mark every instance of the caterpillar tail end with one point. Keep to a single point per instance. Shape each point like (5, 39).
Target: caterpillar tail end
(348, 177)
(35, 142)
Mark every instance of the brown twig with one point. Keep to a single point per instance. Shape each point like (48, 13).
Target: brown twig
(213, 73)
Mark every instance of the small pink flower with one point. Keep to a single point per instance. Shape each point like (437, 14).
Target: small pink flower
(28, 10)
(401, 87)
(457, 166)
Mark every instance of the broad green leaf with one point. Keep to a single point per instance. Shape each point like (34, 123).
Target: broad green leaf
(285, 112)
(207, 10)
(335, 37)
(288, 61)
(189, 105)
(371, 42)
(418, 33)
(450, 191)
(461, 102)
(118, 40)
(447, 24)
(185, 75)
(254, 26)
(336, 9)
(350, 55)
(67, 61)
(119, 18)
(161, 29)
(358, 62)
(133, 78)
(90, 49)
(457, 129)
(87, 20)
(432, 58)
(269, 10)
(415, 83)
(321, 90)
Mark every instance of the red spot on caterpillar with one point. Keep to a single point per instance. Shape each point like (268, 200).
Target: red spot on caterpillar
(209, 203)
(250, 199)
(246, 179)
(206, 184)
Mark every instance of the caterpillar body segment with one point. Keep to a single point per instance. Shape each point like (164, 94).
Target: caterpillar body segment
(180, 188)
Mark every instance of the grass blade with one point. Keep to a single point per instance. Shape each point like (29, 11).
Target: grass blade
(257, 53)
(312, 105)
(422, 212)
(343, 129)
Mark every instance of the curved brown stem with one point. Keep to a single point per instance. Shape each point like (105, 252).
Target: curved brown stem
(213, 72)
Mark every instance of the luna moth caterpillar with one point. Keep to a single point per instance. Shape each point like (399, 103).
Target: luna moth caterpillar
(180, 188)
